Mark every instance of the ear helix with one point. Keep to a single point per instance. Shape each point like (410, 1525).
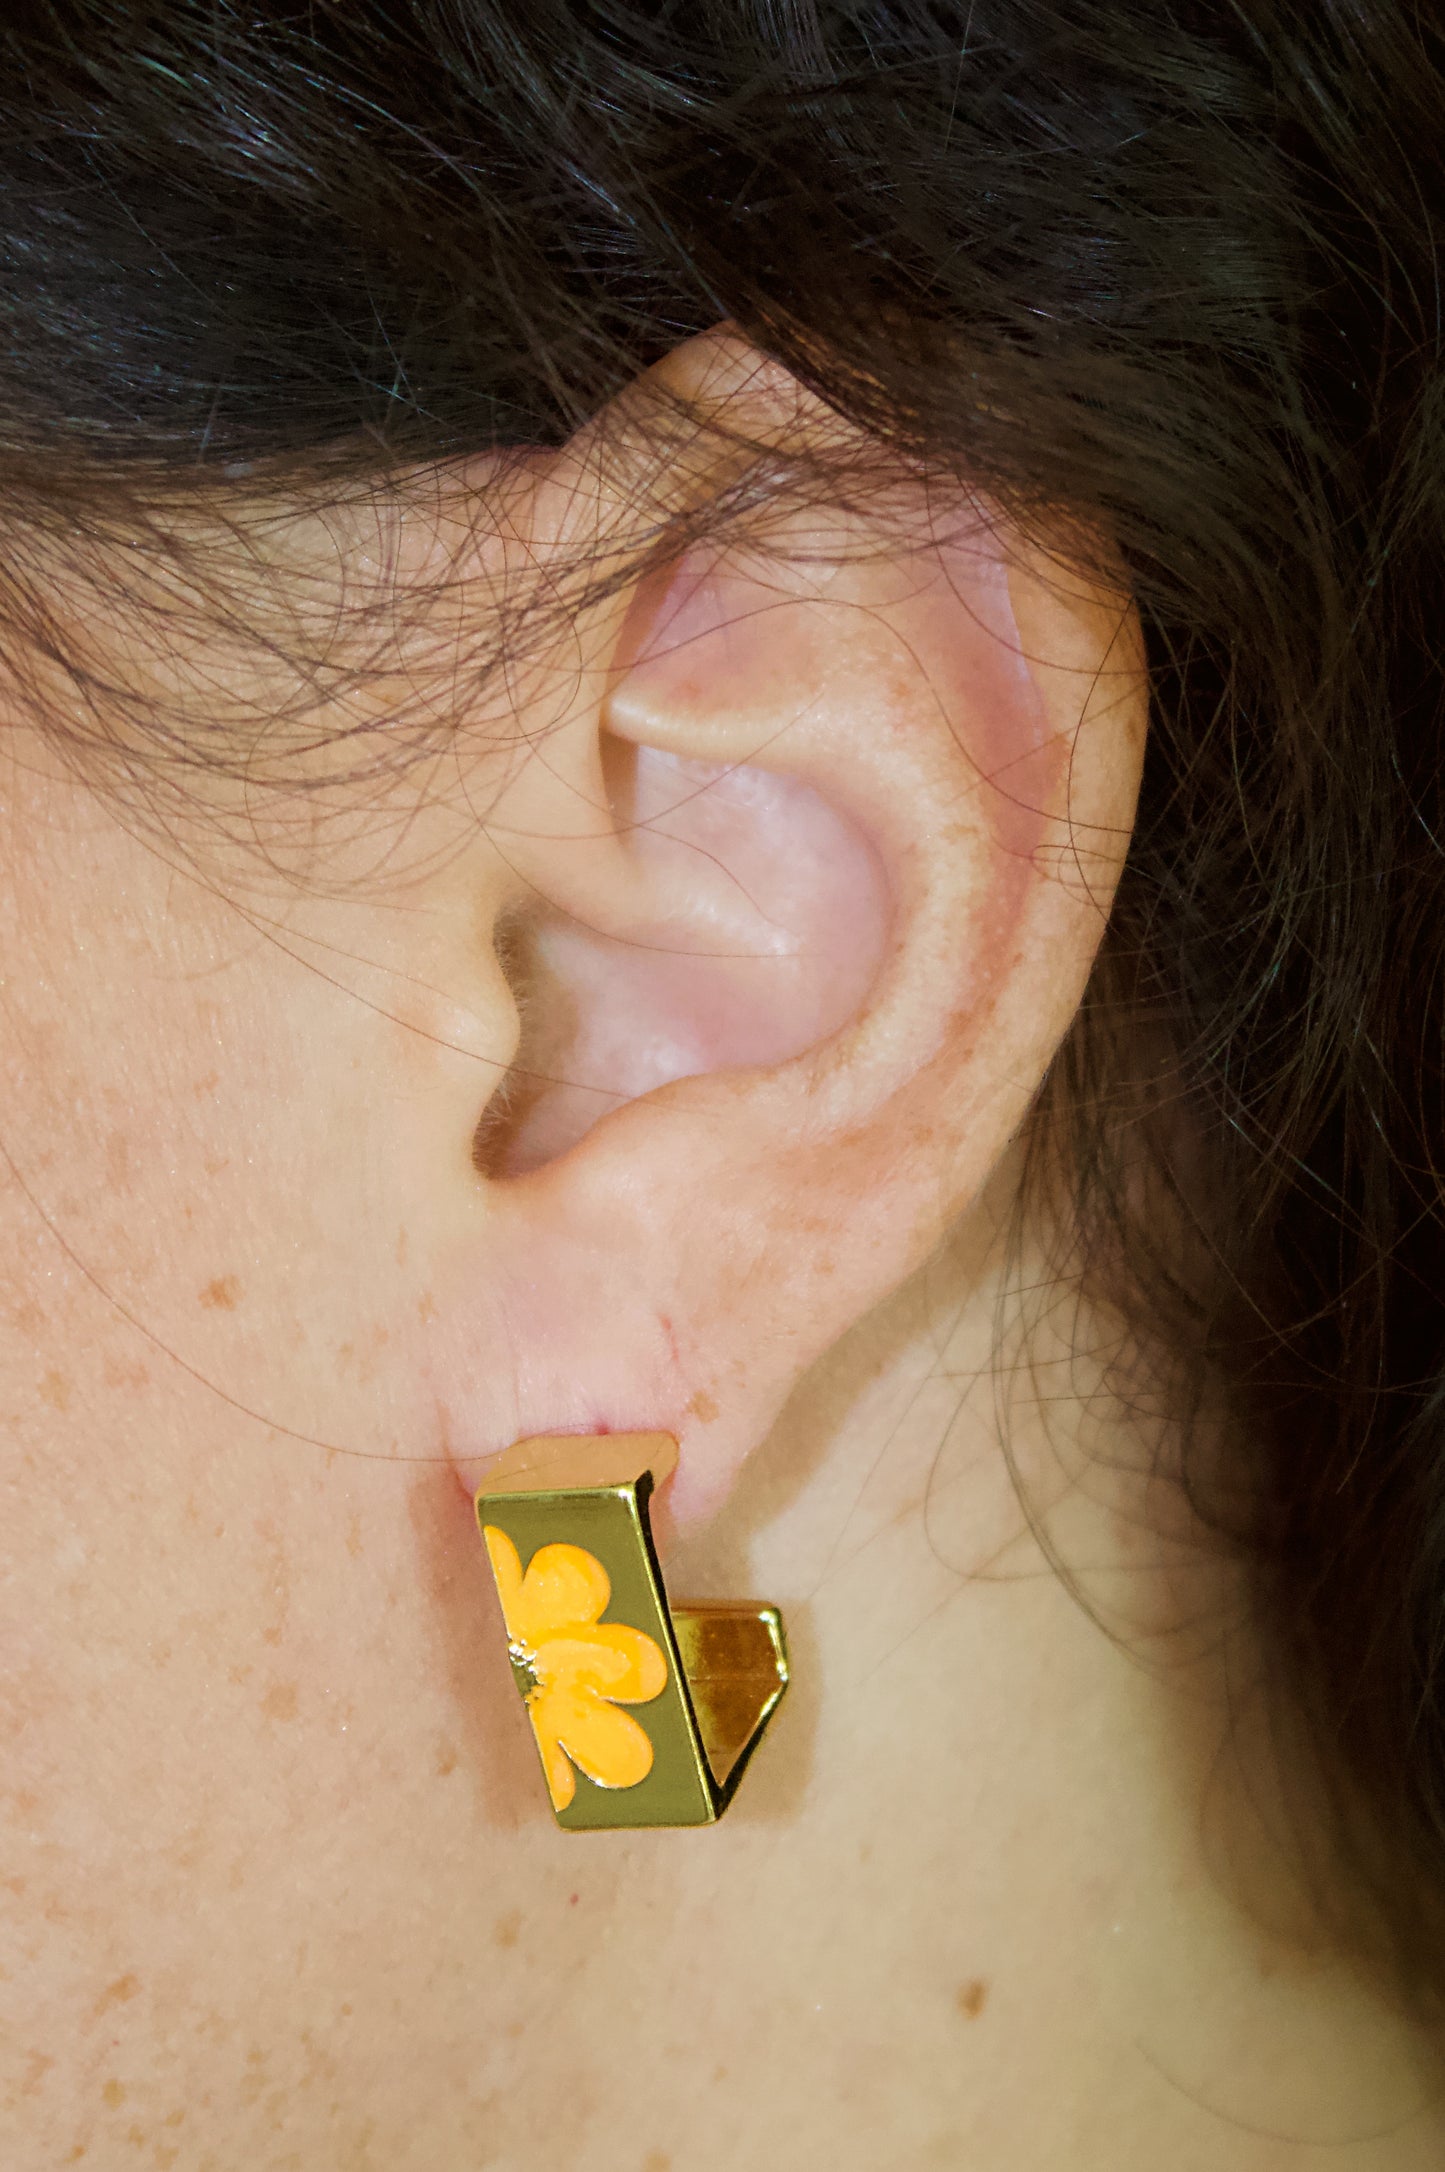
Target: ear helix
(649, 1715)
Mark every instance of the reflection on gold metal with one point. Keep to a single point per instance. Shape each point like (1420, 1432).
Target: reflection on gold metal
(644, 1714)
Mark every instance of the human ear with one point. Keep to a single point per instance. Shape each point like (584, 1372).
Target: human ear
(804, 894)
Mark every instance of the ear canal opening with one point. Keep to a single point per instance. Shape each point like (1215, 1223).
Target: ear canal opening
(508, 1139)
(618, 763)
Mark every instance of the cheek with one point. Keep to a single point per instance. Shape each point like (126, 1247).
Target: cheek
(208, 1191)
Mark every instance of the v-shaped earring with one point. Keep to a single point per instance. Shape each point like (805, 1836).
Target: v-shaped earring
(645, 1713)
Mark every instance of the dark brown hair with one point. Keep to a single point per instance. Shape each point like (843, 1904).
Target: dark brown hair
(1170, 273)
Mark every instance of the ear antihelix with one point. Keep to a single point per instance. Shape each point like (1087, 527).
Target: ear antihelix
(645, 1712)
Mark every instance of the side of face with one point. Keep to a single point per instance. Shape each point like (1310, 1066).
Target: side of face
(595, 1069)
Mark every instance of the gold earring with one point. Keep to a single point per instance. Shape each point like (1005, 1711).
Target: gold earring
(647, 1717)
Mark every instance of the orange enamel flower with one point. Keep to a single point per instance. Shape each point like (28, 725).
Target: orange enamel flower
(582, 1667)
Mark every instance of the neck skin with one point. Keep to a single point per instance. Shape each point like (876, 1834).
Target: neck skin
(280, 1884)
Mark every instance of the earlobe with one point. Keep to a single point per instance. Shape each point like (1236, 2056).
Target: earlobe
(800, 970)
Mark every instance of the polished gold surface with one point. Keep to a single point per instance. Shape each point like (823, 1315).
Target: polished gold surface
(644, 1714)
(581, 1463)
(736, 1667)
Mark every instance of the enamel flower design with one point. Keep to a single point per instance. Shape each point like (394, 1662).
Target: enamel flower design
(582, 1669)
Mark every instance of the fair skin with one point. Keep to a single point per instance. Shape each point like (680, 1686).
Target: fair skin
(280, 1885)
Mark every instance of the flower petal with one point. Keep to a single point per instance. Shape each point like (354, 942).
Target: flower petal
(507, 1569)
(561, 1782)
(607, 1744)
(617, 1661)
(564, 1588)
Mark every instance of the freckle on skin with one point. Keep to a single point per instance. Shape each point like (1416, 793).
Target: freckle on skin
(508, 1928)
(703, 1407)
(221, 1295)
(114, 2092)
(446, 1760)
(55, 1390)
(972, 1998)
(118, 1993)
(657, 2160)
(353, 1537)
(280, 1703)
